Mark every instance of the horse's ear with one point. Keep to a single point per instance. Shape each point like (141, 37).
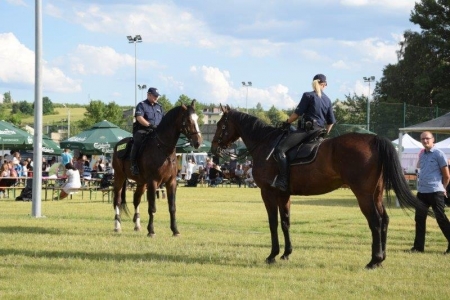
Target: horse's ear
(193, 103)
(228, 107)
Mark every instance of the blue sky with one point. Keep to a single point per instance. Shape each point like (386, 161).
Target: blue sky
(201, 48)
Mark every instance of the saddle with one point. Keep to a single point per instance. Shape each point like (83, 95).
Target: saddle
(123, 148)
(305, 152)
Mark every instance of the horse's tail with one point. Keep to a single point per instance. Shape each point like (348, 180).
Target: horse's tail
(123, 205)
(393, 176)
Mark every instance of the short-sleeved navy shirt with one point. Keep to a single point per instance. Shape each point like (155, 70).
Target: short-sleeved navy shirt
(152, 112)
(316, 108)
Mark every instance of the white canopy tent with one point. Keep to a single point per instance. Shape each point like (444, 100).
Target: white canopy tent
(444, 146)
(438, 125)
(410, 152)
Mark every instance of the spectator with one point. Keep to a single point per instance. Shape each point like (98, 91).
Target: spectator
(79, 163)
(249, 181)
(5, 172)
(239, 175)
(434, 176)
(215, 176)
(87, 170)
(73, 181)
(66, 158)
(189, 169)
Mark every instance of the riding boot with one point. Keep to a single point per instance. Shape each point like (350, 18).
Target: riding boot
(282, 180)
(134, 168)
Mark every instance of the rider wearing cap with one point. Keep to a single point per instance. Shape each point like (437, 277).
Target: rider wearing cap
(314, 107)
(149, 114)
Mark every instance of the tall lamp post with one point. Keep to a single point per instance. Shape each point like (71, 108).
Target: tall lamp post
(142, 87)
(369, 80)
(68, 120)
(134, 40)
(247, 85)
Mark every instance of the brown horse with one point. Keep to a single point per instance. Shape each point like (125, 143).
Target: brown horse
(157, 164)
(367, 163)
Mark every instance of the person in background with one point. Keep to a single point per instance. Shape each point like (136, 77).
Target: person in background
(434, 176)
(238, 174)
(66, 158)
(87, 170)
(5, 172)
(79, 163)
(149, 114)
(73, 181)
(249, 181)
(315, 112)
(189, 169)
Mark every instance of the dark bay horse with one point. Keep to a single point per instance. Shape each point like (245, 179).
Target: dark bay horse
(367, 163)
(157, 164)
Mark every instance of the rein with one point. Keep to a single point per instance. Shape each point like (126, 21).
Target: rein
(227, 152)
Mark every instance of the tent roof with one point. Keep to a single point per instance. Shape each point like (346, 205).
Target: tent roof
(409, 142)
(437, 125)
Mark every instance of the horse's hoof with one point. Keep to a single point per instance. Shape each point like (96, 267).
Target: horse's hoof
(117, 229)
(176, 234)
(137, 228)
(285, 257)
(373, 266)
(270, 261)
(151, 235)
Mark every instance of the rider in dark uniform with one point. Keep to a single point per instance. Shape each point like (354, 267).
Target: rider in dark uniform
(149, 114)
(314, 107)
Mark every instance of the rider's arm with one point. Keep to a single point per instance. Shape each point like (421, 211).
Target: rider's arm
(142, 121)
(292, 118)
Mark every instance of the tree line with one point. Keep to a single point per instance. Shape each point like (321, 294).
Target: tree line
(413, 90)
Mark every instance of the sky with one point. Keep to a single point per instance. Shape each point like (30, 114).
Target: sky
(203, 49)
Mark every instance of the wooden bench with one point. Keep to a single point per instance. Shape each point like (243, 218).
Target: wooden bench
(56, 191)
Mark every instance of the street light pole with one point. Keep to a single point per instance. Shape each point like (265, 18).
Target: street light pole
(369, 80)
(68, 120)
(134, 40)
(247, 85)
(142, 87)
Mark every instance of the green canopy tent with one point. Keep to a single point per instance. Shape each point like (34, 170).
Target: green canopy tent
(14, 138)
(99, 139)
(183, 146)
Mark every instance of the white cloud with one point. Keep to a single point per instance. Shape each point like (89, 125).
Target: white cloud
(389, 4)
(18, 67)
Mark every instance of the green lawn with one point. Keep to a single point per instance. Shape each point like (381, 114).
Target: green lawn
(73, 252)
(76, 114)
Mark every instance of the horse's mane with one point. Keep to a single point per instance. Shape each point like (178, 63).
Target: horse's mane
(252, 124)
(170, 118)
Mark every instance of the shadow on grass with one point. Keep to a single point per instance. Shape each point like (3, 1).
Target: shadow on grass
(39, 230)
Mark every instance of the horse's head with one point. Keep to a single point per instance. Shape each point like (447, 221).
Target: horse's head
(189, 125)
(225, 135)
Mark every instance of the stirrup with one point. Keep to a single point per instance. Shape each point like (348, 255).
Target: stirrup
(134, 170)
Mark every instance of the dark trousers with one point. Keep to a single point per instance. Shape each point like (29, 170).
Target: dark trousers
(436, 201)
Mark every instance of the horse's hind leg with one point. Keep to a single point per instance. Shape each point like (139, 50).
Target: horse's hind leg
(384, 230)
(378, 224)
(285, 210)
(140, 188)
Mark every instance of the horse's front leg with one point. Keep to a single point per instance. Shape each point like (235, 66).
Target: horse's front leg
(117, 202)
(285, 226)
(273, 225)
(137, 196)
(171, 201)
(151, 197)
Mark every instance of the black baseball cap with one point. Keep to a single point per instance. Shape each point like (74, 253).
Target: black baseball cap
(153, 91)
(321, 77)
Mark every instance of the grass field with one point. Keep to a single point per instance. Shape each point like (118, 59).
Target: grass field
(76, 114)
(73, 253)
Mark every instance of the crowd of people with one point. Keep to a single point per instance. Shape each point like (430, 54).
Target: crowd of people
(214, 174)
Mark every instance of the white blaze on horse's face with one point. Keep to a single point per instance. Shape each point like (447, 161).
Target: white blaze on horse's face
(194, 117)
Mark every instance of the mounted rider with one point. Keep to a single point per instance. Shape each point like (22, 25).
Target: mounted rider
(149, 114)
(315, 112)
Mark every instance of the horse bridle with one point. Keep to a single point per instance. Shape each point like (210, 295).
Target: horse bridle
(184, 128)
